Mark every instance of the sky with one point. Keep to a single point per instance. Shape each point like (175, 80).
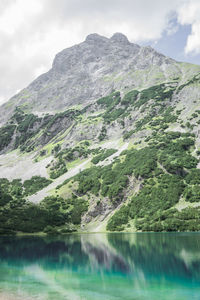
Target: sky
(33, 31)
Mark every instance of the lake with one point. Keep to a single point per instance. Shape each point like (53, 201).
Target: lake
(101, 266)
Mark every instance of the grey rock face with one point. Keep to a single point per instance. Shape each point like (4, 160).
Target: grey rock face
(120, 38)
(90, 70)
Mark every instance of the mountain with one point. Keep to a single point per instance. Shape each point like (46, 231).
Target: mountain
(93, 69)
(109, 138)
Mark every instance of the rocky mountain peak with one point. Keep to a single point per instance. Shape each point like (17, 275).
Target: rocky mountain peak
(119, 38)
(95, 38)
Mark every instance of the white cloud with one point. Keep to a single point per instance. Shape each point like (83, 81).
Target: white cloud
(189, 14)
(33, 31)
(193, 41)
(13, 17)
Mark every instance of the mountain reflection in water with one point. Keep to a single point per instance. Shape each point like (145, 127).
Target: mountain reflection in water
(101, 266)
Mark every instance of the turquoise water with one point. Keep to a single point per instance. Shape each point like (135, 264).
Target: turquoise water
(101, 266)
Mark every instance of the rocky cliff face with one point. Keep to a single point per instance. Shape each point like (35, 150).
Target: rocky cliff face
(90, 70)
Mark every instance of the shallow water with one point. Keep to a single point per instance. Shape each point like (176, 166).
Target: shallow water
(101, 266)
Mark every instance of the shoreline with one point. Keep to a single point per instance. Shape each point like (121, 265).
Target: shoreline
(41, 234)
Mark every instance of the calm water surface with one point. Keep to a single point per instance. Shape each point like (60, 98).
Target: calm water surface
(101, 266)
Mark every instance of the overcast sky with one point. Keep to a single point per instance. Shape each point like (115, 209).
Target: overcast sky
(33, 31)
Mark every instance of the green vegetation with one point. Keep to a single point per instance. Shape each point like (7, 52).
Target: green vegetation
(151, 120)
(103, 134)
(58, 168)
(130, 98)
(6, 133)
(161, 187)
(120, 218)
(35, 184)
(71, 113)
(113, 115)
(195, 79)
(88, 181)
(65, 156)
(52, 215)
(27, 123)
(17, 189)
(159, 93)
(155, 196)
(192, 193)
(117, 108)
(102, 156)
(128, 134)
(193, 177)
(166, 171)
(27, 126)
(171, 220)
(109, 102)
(111, 180)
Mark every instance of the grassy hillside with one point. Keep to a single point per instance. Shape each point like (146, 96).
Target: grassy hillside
(153, 185)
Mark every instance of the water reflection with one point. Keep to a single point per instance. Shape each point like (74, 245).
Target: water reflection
(91, 265)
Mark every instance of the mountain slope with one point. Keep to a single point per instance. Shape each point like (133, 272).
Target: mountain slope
(126, 97)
